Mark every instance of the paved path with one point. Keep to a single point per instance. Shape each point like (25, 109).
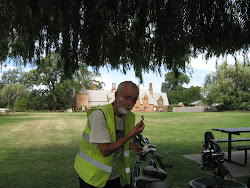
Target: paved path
(236, 170)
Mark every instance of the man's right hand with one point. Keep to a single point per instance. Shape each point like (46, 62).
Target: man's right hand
(138, 128)
(108, 148)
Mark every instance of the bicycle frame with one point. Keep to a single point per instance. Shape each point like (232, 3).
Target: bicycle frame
(213, 159)
(146, 177)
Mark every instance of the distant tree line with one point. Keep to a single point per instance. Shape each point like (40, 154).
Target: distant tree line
(228, 88)
(44, 88)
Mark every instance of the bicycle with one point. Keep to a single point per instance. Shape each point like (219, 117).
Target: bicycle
(213, 159)
(150, 176)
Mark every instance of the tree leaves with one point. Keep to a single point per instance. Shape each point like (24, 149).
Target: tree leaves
(142, 35)
(173, 82)
(228, 85)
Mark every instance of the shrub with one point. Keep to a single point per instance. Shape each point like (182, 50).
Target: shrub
(248, 107)
(245, 106)
(21, 105)
(234, 106)
(171, 106)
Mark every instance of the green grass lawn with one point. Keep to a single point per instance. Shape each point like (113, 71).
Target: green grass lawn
(38, 149)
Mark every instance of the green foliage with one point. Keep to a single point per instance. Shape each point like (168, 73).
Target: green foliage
(21, 105)
(87, 78)
(10, 77)
(175, 97)
(176, 93)
(30, 79)
(194, 93)
(35, 100)
(245, 106)
(186, 95)
(1, 85)
(64, 92)
(11, 93)
(174, 82)
(57, 92)
(141, 35)
(228, 86)
(171, 106)
(3, 102)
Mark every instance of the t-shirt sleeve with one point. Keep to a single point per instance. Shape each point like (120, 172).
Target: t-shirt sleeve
(99, 132)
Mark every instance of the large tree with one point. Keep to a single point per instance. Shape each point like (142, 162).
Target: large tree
(11, 77)
(134, 34)
(59, 90)
(174, 82)
(11, 93)
(173, 86)
(228, 86)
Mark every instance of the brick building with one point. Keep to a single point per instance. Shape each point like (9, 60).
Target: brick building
(148, 100)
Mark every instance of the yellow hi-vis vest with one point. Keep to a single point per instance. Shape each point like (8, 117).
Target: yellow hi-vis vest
(90, 164)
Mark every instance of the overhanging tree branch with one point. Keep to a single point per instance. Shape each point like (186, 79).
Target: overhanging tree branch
(141, 35)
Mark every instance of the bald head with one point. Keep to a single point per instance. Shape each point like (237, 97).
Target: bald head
(125, 84)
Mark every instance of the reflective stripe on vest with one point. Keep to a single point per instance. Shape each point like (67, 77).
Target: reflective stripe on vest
(127, 170)
(126, 153)
(87, 138)
(94, 162)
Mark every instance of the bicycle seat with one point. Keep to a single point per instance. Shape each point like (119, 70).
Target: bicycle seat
(154, 171)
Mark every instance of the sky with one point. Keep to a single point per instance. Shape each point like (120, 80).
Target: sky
(200, 68)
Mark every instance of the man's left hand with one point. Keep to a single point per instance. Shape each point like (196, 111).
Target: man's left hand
(137, 148)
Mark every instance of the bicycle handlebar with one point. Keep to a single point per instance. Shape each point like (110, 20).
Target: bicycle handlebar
(150, 148)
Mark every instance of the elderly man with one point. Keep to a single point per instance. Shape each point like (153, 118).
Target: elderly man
(104, 151)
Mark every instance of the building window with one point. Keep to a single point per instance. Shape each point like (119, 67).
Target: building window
(160, 101)
(145, 108)
(145, 99)
(137, 108)
(160, 109)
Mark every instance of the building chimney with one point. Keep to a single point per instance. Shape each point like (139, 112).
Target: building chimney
(94, 87)
(113, 88)
(151, 89)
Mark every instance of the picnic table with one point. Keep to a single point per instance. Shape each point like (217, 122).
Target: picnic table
(234, 131)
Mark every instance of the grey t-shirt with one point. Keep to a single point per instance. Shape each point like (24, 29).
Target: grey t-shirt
(100, 134)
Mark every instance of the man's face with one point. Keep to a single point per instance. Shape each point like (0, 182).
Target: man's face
(126, 99)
